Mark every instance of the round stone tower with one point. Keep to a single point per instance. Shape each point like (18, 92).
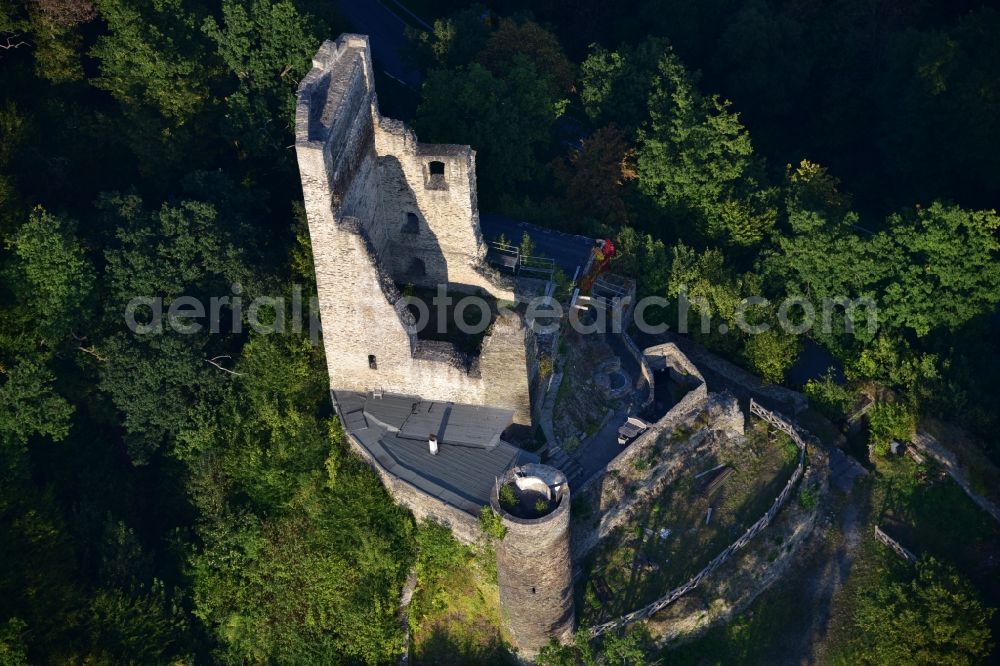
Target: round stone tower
(534, 566)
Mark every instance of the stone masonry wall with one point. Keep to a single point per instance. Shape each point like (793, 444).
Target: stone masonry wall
(361, 176)
(534, 570)
(614, 491)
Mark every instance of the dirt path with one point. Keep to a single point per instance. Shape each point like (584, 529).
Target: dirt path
(832, 563)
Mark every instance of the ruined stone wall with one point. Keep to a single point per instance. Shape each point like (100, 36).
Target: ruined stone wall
(614, 492)
(361, 176)
(508, 360)
(448, 238)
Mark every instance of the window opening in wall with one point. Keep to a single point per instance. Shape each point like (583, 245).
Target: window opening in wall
(372, 363)
(412, 224)
(532, 590)
(435, 176)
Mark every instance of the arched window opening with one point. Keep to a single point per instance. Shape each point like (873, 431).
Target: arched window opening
(372, 363)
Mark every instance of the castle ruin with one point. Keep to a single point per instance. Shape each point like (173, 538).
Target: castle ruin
(388, 214)
(385, 210)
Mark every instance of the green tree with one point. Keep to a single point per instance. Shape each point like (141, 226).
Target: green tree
(176, 251)
(280, 589)
(888, 422)
(13, 651)
(526, 38)
(936, 126)
(266, 45)
(506, 120)
(821, 256)
(892, 361)
(771, 353)
(829, 396)
(50, 29)
(14, 132)
(933, 618)
(578, 652)
(695, 160)
(527, 246)
(151, 56)
(29, 404)
(137, 625)
(950, 270)
(644, 258)
(453, 41)
(624, 649)
(53, 269)
(615, 85)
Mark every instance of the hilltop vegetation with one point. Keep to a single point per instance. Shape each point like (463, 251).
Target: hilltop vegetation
(189, 498)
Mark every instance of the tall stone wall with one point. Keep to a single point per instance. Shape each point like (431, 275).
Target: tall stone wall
(379, 213)
(448, 238)
(534, 568)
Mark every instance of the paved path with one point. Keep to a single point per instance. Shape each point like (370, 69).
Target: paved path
(567, 250)
(386, 32)
(601, 448)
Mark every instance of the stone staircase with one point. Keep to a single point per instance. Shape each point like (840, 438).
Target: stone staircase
(567, 465)
(553, 454)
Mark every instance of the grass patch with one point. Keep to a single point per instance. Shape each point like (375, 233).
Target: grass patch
(562, 393)
(455, 612)
(748, 639)
(640, 562)
(926, 510)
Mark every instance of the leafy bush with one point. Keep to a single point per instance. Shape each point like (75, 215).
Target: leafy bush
(832, 399)
(507, 497)
(545, 367)
(770, 354)
(541, 505)
(888, 422)
(491, 524)
(807, 498)
(438, 551)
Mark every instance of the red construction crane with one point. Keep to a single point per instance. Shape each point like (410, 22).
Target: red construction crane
(603, 251)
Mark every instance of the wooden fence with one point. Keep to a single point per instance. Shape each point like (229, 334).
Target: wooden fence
(894, 545)
(655, 607)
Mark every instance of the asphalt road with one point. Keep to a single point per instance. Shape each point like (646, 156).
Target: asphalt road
(386, 35)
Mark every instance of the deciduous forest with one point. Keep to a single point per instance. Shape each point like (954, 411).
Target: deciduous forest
(190, 498)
